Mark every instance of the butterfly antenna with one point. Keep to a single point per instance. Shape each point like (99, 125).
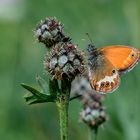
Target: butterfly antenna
(89, 38)
(91, 46)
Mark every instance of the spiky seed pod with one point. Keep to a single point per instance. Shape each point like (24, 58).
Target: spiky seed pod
(50, 31)
(65, 61)
(93, 112)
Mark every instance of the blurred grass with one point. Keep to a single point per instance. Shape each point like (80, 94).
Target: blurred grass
(108, 22)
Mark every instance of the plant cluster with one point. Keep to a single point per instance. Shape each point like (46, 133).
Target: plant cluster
(65, 66)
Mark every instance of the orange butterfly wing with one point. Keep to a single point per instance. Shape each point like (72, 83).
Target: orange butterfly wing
(123, 58)
(104, 78)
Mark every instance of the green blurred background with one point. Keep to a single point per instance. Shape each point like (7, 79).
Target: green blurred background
(21, 58)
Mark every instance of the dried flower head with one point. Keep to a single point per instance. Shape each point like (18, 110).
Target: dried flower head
(81, 85)
(93, 112)
(50, 31)
(65, 61)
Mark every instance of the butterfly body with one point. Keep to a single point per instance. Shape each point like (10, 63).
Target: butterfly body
(106, 64)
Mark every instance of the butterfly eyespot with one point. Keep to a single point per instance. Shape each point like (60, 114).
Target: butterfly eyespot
(113, 71)
(102, 84)
(107, 83)
(132, 55)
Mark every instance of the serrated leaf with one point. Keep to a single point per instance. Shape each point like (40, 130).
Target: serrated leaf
(34, 91)
(29, 97)
(36, 96)
(32, 100)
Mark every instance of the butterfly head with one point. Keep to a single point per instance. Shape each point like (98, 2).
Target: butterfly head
(93, 56)
(91, 48)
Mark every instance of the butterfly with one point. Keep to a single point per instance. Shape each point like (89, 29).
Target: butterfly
(106, 64)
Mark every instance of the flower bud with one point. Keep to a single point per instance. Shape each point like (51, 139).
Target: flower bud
(80, 85)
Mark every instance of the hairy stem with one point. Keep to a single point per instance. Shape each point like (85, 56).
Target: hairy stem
(63, 114)
(63, 104)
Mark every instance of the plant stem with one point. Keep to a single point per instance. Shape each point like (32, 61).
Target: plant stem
(89, 133)
(63, 115)
(92, 134)
(63, 104)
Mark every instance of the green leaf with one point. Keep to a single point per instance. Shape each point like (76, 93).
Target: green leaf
(37, 101)
(36, 97)
(34, 91)
(29, 97)
(75, 97)
(65, 86)
(43, 84)
(53, 87)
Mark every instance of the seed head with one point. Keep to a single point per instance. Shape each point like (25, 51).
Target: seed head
(65, 61)
(93, 112)
(50, 31)
(81, 85)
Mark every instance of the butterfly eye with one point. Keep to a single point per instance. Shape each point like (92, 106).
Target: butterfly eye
(113, 71)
